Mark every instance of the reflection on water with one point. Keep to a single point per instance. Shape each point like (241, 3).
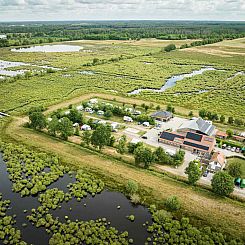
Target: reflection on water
(49, 49)
(171, 82)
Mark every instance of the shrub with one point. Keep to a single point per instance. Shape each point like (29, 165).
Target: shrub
(172, 203)
(135, 199)
(132, 187)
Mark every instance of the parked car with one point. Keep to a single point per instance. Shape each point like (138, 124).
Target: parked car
(233, 149)
(205, 174)
(238, 150)
(228, 147)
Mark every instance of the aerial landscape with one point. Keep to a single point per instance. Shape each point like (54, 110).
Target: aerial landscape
(122, 122)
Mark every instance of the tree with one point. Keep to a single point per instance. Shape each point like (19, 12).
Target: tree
(65, 128)
(194, 172)
(222, 119)
(238, 122)
(146, 108)
(143, 155)
(172, 203)
(158, 108)
(235, 169)
(170, 47)
(229, 132)
(108, 114)
(121, 147)
(170, 108)
(222, 183)
(75, 116)
(132, 146)
(37, 120)
(230, 120)
(161, 156)
(53, 126)
(202, 113)
(86, 137)
(134, 106)
(132, 187)
(101, 136)
(190, 114)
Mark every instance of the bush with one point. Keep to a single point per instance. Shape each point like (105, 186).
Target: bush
(170, 47)
(132, 187)
(135, 199)
(172, 203)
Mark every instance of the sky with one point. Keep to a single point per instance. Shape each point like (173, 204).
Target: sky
(46, 10)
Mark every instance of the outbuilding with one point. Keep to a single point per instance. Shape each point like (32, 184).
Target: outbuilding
(162, 116)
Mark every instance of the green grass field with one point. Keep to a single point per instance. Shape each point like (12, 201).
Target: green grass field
(141, 65)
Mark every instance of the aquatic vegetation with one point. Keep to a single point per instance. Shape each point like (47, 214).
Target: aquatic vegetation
(166, 230)
(85, 184)
(29, 171)
(8, 233)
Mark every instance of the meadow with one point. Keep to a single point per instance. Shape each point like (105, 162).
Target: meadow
(120, 67)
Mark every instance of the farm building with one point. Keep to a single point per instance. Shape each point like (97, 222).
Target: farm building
(217, 162)
(162, 116)
(198, 125)
(196, 143)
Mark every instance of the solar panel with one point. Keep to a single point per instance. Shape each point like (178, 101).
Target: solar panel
(170, 136)
(193, 136)
(196, 145)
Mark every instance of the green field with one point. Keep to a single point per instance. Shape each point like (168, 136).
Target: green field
(124, 66)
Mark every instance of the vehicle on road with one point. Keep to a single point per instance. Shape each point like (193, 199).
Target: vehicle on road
(205, 174)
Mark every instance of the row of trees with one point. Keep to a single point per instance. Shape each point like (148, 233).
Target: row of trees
(215, 117)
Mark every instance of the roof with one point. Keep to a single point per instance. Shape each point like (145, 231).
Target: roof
(200, 125)
(221, 134)
(218, 157)
(164, 114)
(170, 136)
(194, 140)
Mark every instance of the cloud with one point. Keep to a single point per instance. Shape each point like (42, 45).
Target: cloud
(121, 9)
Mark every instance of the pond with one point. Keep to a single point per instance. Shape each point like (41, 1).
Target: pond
(87, 72)
(171, 82)
(103, 205)
(49, 49)
(9, 64)
(5, 67)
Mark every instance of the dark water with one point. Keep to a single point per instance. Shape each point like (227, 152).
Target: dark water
(103, 205)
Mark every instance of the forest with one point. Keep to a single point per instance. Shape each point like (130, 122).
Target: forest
(45, 32)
